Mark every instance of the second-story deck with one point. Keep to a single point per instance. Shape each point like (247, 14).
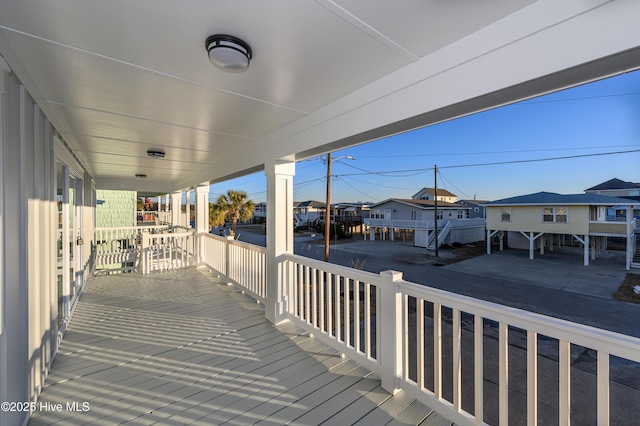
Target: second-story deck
(180, 347)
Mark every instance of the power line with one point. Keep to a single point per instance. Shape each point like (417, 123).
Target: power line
(494, 152)
(387, 173)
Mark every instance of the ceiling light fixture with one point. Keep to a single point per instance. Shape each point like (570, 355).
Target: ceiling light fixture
(155, 153)
(141, 176)
(228, 53)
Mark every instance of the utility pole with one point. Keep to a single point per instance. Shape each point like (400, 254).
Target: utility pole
(435, 204)
(327, 218)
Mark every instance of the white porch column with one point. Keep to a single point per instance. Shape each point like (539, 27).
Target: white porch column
(176, 207)
(202, 216)
(279, 235)
(188, 207)
(202, 208)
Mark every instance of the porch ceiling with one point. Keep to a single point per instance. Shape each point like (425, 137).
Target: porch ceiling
(118, 78)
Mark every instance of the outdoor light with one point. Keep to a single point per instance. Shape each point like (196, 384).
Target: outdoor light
(228, 53)
(155, 154)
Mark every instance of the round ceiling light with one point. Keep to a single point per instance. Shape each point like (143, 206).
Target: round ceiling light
(228, 53)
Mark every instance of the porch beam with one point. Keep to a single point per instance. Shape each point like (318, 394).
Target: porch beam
(279, 235)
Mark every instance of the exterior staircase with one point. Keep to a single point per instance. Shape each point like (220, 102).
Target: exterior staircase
(442, 234)
(635, 261)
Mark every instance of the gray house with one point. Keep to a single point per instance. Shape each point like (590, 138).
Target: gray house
(476, 208)
(416, 219)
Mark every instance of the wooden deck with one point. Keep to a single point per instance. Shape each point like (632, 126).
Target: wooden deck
(179, 348)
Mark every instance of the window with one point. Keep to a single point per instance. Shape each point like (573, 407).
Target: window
(506, 214)
(460, 214)
(477, 209)
(440, 215)
(554, 214)
(414, 215)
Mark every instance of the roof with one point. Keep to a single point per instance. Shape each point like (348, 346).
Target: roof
(441, 192)
(422, 204)
(474, 202)
(614, 184)
(547, 198)
(309, 203)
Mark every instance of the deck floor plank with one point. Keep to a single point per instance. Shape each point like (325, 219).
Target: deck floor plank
(180, 347)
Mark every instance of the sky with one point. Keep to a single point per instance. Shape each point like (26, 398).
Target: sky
(508, 151)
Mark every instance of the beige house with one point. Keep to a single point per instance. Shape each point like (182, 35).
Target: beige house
(544, 217)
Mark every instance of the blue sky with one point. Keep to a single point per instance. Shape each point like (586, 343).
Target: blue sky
(597, 118)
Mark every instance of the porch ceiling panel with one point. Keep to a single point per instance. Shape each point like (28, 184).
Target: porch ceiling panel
(118, 77)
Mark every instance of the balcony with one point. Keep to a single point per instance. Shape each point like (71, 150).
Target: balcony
(184, 345)
(611, 228)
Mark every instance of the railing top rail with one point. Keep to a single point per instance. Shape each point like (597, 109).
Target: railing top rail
(212, 236)
(602, 340)
(133, 228)
(248, 246)
(343, 271)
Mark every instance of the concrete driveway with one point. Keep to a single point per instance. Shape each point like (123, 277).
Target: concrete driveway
(558, 270)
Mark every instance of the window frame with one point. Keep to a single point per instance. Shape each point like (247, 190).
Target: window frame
(551, 214)
(505, 214)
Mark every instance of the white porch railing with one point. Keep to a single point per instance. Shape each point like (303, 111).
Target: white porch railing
(240, 263)
(167, 250)
(443, 348)
(117, 248)
(338, 304)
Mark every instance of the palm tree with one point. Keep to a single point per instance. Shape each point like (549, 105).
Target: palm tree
(231, 206)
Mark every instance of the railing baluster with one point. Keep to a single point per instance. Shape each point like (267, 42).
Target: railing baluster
(337, 307)
(532, 378)
(437, 350)
(314, 297)
(420, 342)
(321, 292)
(404, 328)
(478, 368)
(503, 367)
(347, 312)
(564, 368)
(307, 308)
(330, 298)
(603, 388)
(299, 287)
(457, 360)
(356, 315)
(367, 320)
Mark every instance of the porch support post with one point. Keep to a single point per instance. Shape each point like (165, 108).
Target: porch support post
(531, 244)
(391, 331)
(586, 250)
(202, 208)
(202, 215)
(279, 236)
(176, 207)
(630, 232)
(187, 207)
